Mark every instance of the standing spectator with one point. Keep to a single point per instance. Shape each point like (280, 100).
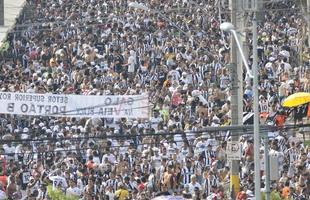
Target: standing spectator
(122, 193)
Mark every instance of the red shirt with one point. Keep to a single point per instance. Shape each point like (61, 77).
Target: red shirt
(4, 181)
(280, 120)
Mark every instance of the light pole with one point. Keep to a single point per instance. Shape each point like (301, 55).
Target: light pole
(228, 27)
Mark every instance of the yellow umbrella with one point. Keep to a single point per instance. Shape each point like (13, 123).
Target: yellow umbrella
(296, 99)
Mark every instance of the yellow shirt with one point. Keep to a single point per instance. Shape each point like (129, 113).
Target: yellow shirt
(165, 114)
(170, 56)
(121, 194)
(305, 56)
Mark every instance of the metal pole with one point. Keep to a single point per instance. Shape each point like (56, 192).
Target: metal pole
(245, 62)
(1, 12)
(240, 22)
(235, 164)
(256, 113)
(267, 168)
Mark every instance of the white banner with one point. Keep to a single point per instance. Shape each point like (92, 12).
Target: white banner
(130, 106)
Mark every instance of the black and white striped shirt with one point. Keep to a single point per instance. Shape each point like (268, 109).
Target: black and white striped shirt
(112, 183)
(292, 154)
(187, 172)
(208, 155)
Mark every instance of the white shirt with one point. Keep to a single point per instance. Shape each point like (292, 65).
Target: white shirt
(175, 75)
(179, 141)
(110, 157)
(282, 89)
(151, 180)
(280, 160)
(131, 63)
(213, 143)
(96, 160)
(155, 121)
(156, 161)
(110, 195)
(59, 181)
(123, 149)
(187, 79)
(80, 184)
(2, 195)
(287, 67)
(9, 150)
(75, 191)
(192, 186)
(263, 106)
(18, 151)
(200, 147)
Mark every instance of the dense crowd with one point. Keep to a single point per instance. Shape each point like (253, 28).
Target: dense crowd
(179, 57)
